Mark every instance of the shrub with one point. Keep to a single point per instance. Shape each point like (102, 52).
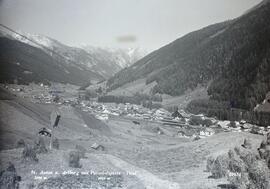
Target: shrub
(81, 150)
(74, 159)
(155, 106)
(29, 154)
(9, 178)
(196, 138)
(90, 94)
(156, 98)
(232, 124)
(55, 143)
(20, 143)
(196, 120)
(30, 186)
(207, 122)
(183, 119)
(40, 145)
(255, 130)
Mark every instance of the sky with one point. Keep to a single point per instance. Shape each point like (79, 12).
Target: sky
(147, 24)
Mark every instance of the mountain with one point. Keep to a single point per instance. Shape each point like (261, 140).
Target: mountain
(25, 63)
(103, 61)
(171, 66)
(122, 57)
(97, 62)
(233, 56)
(93, 61)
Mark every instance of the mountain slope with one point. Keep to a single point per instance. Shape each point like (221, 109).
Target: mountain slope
(168, 62)
(233, 54)
(245, 80)
(26, 63)
(105, 62)
(83, 60)
(40, 58)
(122, 57)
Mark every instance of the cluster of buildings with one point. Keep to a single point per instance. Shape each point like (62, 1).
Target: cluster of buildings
(69, 95)
(44, 94)
(104, 110)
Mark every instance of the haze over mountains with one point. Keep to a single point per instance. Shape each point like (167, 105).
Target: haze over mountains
(233, 55)
(90, 63)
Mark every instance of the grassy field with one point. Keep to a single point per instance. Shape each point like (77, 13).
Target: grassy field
(155, 160)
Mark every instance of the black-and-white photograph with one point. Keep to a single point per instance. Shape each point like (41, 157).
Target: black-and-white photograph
(134, 94)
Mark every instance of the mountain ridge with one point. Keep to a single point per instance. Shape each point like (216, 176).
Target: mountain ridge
(208, 54)
(99, 60)
(25, 63)
(23, 54)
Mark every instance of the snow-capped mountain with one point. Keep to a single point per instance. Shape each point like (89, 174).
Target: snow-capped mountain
(38, 39)
(25, 63)
(104, 61)
(122, 57)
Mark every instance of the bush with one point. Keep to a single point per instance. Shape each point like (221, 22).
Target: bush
(9, 178)
(232, 124)
(207, 122)
(155, 106)
(40, 145)
(29, 154)
(55, 143)
(90, 94)
(74, 159)
(196, 138)
(255, 130)
(81, 150)
(30, 186)
(20, 143)
(196, 120)
(156, 98)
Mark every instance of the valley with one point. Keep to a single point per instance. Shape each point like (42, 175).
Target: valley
(194, 113)
(128, 147)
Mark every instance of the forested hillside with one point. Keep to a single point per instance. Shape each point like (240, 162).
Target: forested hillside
(245, 79)
(172, 66)
(233, 54)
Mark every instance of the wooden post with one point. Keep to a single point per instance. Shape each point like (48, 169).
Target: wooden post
(54, 118)
(51, 140)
